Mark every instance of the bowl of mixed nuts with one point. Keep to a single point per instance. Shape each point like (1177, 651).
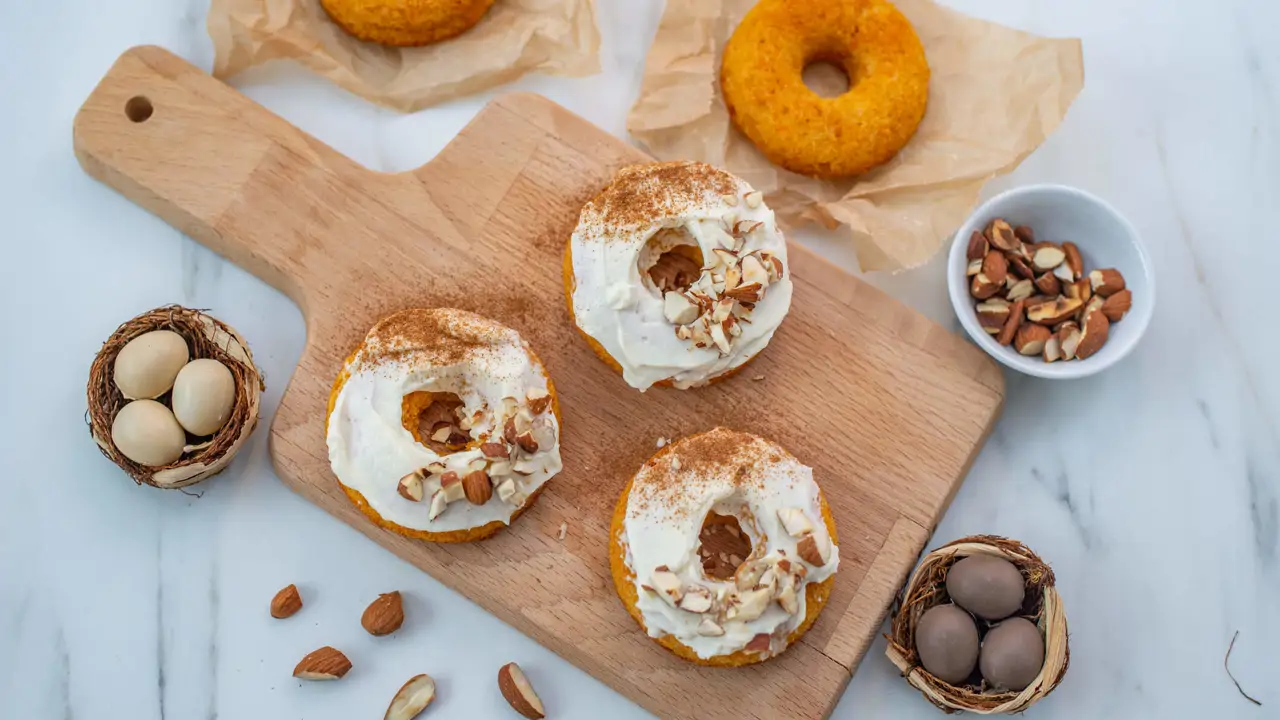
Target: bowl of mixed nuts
(1051, 281)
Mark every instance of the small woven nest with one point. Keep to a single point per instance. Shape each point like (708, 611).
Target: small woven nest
(927, 588)
(206, 337)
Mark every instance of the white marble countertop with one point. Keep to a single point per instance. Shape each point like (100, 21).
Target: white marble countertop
(1154, 489)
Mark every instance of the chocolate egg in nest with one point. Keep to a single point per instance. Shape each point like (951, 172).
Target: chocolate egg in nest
(1016, 628)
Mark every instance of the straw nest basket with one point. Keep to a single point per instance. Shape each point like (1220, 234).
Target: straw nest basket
(206, 337)
(927, 588)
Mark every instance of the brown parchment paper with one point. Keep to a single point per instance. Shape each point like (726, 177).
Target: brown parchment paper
(558, 37)
(995, 94)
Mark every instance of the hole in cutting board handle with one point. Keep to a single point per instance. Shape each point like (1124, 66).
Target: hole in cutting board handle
(138, 108)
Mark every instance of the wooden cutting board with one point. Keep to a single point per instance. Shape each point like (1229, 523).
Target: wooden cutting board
(887, 407)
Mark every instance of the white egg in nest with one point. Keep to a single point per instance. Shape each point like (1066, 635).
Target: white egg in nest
(147, 366)
(204, 395)
(147, 433)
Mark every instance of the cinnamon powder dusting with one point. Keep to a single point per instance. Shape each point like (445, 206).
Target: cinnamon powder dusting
(643, 194)
(682, 467)
(442, 335)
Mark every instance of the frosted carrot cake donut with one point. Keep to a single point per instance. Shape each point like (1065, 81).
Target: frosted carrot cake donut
(443, 425)
(677, 274)
(706, 601)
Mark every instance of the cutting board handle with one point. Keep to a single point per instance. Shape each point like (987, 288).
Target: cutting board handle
(185, 146)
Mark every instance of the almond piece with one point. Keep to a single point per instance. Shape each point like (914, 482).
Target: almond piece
(814, 549)
(286, 602)
(1074, 260)
(973, 268)
(1002, 236)
(384, 615)
(1080, 290)
(1016, 315)
(1116, 306)
(794, 521)
(1094, 329)
(753, 271)
(1020, 267)
(1106, 282)
(978, 246)
(983, 287)
(747, 292)
(992, 315)
(539, 400)
(1049, 284)
(1052, 349)
(1054, 311)
(995, 267)
(439, 503)
(442, 433)
(696, 600)
(477, 488)
(495, 451)
(1031, 339)
(412, 698)
(1025, 234)
(788, 600)
(759, 644)
(324, 664)
(509, 430)
(451, 486)
(666, 584)
(1021, 290)
(1069, 340)
(678, 309)
(753, 199)
(710, 628)
(750, 604)
(410, 487)
(526, 442)
(517, 690)
(1047, 257)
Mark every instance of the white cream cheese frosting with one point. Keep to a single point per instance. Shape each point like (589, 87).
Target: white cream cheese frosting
(512, 432)
(719, 323)
(777, 505)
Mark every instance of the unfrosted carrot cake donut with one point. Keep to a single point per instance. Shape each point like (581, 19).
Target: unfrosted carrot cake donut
(406, 23)
(677, 274)
(701, 607)
(443, 425)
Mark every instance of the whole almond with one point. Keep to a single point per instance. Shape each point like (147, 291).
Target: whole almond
(477, 488)
(286, 602)
(324, 664)
(384, 615)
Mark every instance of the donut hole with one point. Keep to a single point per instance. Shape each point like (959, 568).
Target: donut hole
(433, 418)
(670, 260)
(827, 77)
(724, 546)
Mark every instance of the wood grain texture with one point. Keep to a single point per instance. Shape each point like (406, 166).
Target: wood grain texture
(886, 406)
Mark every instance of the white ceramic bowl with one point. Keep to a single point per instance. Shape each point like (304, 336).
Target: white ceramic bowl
(1058, 213)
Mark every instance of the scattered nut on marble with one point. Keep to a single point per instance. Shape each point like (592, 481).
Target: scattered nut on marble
(384, 615)
(204, 393)
(147, 366)
(286, 602)
(326, 663)
(412, 698)
(147, 433)
(517, 690)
